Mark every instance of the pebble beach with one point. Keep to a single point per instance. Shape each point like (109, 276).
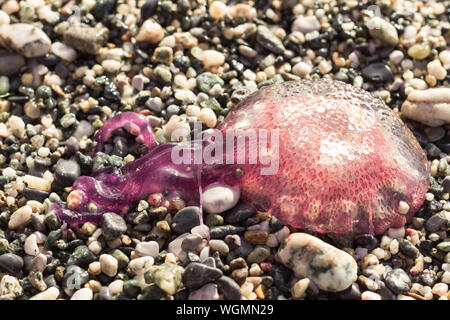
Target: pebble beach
(66, 67)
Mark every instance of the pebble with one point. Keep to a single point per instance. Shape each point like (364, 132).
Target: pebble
(63, 51)
(66, 172)
(398, 281)
(85, 39)
(51, 293)
(436, 69)
(302, 69)
(110, 65)
(11, 263)
(259, 254)
(20, 217)
(196, 275)
(218, 10)
(207, 117)
(26, 39)
(377, 72)
(109, 265)
(185, 219)
(383, 30)
(218, 198)
(150, 32)
(83, 294)
(419, 51)
(298, 290)
(369, 295)
(113, 226)
(436, 222)
(30, 246)
(147, 249)
(229, 288)
(166, 276)
(396, 233)
(207, 292)
(219, 246)
(306, 24)
(407, 248)
(10, 286)
(330, 268)
(268, 40)
(212, 58)
(11, 63)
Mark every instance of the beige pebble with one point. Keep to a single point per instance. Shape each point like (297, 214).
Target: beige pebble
(20, 217)
(51, 293)
(4, 17)
(109, 265)
(436, 69)
(218, 10)
(298, 290)
(110, 65)
(208, 117)
(368, 295)
(440, 289)
(37, 183)
(83, 294)
(95, 268)
(10, 7)
(150, 32)
(213, 58)
(116, 286)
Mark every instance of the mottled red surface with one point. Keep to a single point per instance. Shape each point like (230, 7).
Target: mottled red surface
(346, 159)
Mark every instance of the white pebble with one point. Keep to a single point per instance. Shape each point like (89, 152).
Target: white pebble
(4, 18)
(150, 248)
(51, 293)
(436, 69)
(140, 265)
(83, 294)
(217, 10)
(207, 117)
(213, 58)
(30, 246)
(20, 217)
(109, 265)
(218, 198)
(64, 51)
(368, 295)
(116, 286)
(403, 207)
(110, 65)
(302, 69)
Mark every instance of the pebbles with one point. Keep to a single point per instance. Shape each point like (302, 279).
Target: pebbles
(196, 275)
(398, 281)
(85, 39)
(306, 24)
(382, 30)
(330, 268)
(20, 217)
(185, 219)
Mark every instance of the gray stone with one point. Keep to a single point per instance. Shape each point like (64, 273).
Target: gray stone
(197, 274)
(398, 281)
(85, 39)
(11, 263)
(67, 171)
(268, 40)
(185, 219)
(113, 226)
(229, 288)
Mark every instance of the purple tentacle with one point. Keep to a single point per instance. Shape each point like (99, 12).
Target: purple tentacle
(135, 123)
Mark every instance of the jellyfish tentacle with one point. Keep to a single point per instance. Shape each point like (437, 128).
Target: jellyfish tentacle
(136, 124)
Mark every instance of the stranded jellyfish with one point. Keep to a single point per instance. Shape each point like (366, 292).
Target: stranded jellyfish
(342, 162)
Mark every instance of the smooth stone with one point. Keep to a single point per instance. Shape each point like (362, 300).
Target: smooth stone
(207, 292)
(191, 242)
(104, 294)
(407, 248)
(398, 281)
(383, 30)
(185, 219)
(306, 24)
(83, 294)
(30, 246)
(377, 72)
(113, 226)
(239, 213)
(67, 171)
(331, 269)
(268, 40)
(259, 254)
(197, 274)
(436, 222)
(51, 293)
(11, 263)
(430, 107)
(147, 249)
(109, 265)
(26, 39)
(229, 288)
(206, 81)
(218, 198)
